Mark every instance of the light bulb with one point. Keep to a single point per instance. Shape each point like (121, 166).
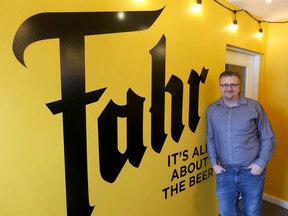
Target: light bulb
(197, 7)
(121, 15)
(260, 33)
(234, 27)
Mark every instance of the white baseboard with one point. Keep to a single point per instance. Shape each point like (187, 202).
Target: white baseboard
(276, 201)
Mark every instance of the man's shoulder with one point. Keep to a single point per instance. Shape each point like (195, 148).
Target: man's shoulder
(250, 103)
(214, 105)
(247, 100)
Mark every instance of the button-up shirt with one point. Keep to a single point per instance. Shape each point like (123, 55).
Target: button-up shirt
(239, 135)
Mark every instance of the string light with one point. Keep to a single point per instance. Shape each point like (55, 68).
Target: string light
(235, 23)
(121, 15)
(285, 21)
(260, 32)
(197, 7)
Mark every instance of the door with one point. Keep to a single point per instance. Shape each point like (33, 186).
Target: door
(248, 65)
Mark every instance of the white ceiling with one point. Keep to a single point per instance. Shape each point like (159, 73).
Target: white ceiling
(275, 11)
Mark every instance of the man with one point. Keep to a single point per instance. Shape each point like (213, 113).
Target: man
(240, 142)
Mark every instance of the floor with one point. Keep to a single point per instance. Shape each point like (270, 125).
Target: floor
(269, 209)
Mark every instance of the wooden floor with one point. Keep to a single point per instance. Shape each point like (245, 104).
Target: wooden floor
(270, 209)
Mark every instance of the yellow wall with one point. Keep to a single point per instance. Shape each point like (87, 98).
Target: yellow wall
(273, 95)
(32, 168)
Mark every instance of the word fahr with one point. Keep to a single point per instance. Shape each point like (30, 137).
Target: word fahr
(71, 29)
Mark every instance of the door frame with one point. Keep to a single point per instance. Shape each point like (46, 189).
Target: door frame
(250, 60)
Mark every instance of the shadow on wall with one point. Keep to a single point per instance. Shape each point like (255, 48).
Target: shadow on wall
(277, 171)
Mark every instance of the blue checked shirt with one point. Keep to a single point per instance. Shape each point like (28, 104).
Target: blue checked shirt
(239, 135)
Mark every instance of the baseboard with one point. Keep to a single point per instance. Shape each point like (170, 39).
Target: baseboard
(276, 201)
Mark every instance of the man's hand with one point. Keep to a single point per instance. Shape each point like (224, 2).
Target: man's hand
(255, 169)
(218, 169)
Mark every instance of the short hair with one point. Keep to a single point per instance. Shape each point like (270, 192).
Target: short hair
(229, 73)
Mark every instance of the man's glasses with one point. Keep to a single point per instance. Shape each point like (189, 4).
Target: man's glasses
(232, 85)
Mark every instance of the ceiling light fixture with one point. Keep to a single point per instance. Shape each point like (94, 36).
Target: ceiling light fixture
(235, 23)
(260, 31)
(197, 7)
(121, 15)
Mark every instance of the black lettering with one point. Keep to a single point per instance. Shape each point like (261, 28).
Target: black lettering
(191, 167)
(204, 175)
(182, 185)
(165, 190)
(175, 88)
(192, 181)
(194, 81)
(174, 175)
(195, 152)
(183, 171)
(111, 160)
(70, 29)
(185, 155)
(198, 178)
(210, 172)
(158, 135)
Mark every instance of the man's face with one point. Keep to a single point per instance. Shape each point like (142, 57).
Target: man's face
(230, 88)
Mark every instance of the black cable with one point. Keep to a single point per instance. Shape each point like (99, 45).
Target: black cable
(253, 17)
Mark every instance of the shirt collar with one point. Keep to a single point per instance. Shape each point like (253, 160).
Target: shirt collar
(241, 101)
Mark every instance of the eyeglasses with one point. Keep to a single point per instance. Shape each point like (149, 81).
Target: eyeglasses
(232, 85)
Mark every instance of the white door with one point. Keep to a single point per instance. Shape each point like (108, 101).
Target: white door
(248, 65)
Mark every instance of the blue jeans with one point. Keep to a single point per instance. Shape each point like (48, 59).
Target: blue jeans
(238, 181)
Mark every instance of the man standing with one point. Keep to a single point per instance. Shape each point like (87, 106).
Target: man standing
(240, 142)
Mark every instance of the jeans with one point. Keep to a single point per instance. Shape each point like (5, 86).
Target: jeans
(235, 182)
